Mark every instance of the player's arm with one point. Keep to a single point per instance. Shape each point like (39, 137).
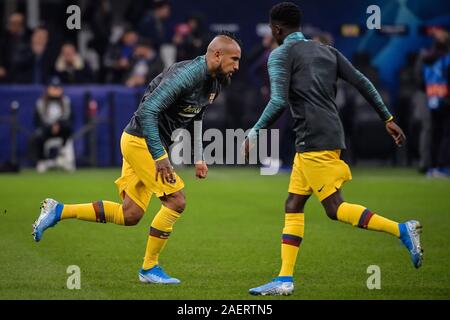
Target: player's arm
(201, 169)
(164, 95)
(349, 73)
(279, 75)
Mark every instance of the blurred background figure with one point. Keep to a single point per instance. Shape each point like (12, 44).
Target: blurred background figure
(155, 25)
(324, 37)
(258, 65)
(144, 66)
(99, 16)
(50, 145)
(436, 79)
(71, 68)
(119, 56)
(12, 40)
(411, 109)
(33, 63)
(191, 38)
(258, 75)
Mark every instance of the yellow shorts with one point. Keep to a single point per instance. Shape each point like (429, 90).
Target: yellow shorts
(138, 178)
(318, 172)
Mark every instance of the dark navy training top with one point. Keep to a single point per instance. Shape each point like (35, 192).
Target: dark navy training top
(303, 76)
(173, 100)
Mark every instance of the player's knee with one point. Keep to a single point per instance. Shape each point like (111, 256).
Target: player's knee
(290, 206)
(132, 215)
(331, 204)
(176, 202)
(295, 203)
(180, 204)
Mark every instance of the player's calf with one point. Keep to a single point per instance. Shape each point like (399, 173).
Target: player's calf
(161, 228)
(357, 215)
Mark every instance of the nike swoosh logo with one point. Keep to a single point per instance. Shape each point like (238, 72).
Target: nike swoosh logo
(321, 188)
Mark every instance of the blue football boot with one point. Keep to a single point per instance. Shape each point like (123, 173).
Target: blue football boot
(280, 286)
(410, 237)
(50, 215)
(156, 275)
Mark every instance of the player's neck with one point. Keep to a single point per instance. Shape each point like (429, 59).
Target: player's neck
(212, 70)
(287, 33)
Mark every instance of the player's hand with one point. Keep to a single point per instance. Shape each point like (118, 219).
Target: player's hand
(246, 147)
(165, 170)
(396, 133)
(201, 169)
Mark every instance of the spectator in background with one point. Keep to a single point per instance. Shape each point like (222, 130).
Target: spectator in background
(71, 68)
(99, 16)
(52, 119)
(258, 66)
(436, 77)
(325, 38)
(135, 10)
(191, 38)
(154, 25)
(92, 59)
(11, 42)
(33, 64)
(362, 62)
(408, 85)
(145, 65)
(119, 56)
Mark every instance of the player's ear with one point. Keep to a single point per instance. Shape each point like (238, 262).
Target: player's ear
(217, 55)
(278, 30)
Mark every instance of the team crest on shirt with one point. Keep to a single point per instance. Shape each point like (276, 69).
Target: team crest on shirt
(189, 111)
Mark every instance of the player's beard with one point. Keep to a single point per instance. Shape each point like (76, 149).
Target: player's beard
(223, 78)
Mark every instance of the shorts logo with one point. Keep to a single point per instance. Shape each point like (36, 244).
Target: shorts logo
(321, 188)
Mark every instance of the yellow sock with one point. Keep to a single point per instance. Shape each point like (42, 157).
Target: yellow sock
(363, 218)
(160, 230)
(99, 211)
(293, 231)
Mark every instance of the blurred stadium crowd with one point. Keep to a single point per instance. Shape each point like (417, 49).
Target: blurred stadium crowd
(133, 51)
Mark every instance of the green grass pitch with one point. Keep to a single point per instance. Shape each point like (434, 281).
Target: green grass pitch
(227, 241)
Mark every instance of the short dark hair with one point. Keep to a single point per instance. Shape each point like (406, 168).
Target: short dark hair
(230, 35)
(287, 14)
(160, 3)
